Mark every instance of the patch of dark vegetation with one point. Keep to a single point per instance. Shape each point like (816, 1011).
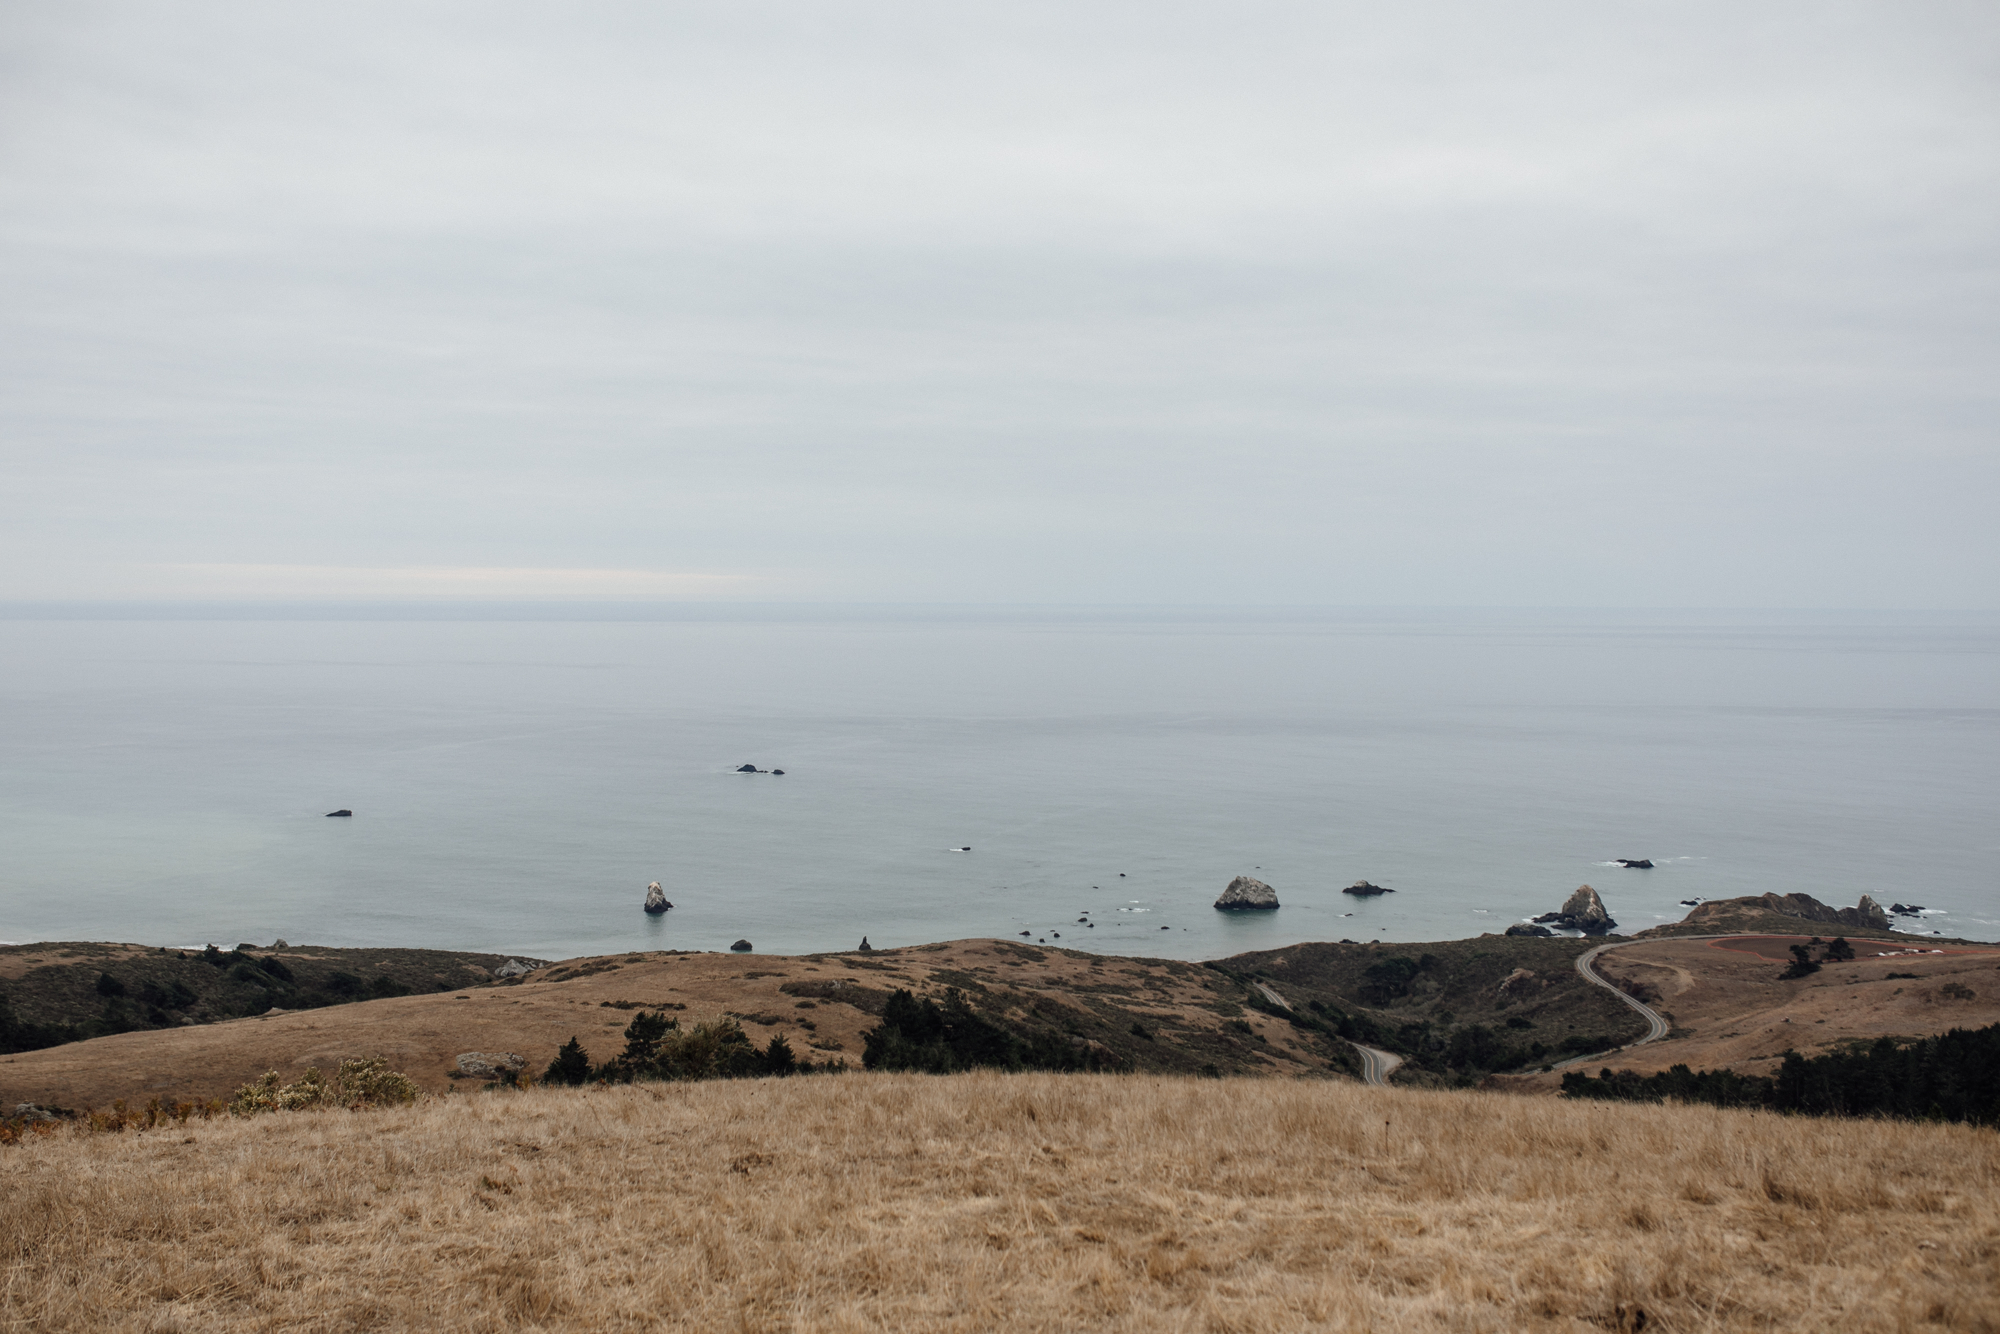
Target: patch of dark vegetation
(71, 992)
(1456, 1010)
(940, 1038)
(1954, 1076)
(868, 1000)
(657, 1048)
(1807, 958)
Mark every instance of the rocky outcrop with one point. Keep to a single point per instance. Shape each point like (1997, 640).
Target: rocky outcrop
(742, 947)
(493, 1065)
(1520, 980)
(1583, 911)
(513, 968)
(1247, 894)
(1866, 913)
(656, 899)
(1635, 863)
(865, 947)
(1528, 929)
(340, 815)
(748, 769)
(1366, 890)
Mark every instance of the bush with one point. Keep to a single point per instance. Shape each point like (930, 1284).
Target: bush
(1803, 964)
(357, 1084)
(571, 1065)
(656, 1047)
(107, 985)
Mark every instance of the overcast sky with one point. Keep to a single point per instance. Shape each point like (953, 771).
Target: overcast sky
(1546, 304)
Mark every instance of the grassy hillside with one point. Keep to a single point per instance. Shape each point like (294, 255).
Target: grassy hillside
(1026, 1202)
(66, 991)
(1458, 1009)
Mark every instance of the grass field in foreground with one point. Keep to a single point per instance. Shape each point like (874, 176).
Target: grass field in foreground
(1023, 1202)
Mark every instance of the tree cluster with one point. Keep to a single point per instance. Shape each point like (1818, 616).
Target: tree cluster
(1807, 958)
(1952, 1077)
(658, 1048)
(933, 1038)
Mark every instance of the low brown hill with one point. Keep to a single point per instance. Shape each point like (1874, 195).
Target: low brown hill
(1731, 1009)
(1154, 1015)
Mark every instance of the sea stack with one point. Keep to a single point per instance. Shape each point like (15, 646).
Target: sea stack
(1365, 890)
(1583, 911)
(656, 899)
(1247, 894)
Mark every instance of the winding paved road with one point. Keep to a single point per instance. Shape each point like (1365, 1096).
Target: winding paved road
(1656, 1027)
(1376, 1065)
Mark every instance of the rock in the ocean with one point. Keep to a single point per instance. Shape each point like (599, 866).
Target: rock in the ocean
(340, 815)
(1906, 909)
(742, 946)
(776, 773)
(865, 948)
(1246, 894)
(1528, 929)
(1635, 863)
(656, 898)
(746, 768)
(513, 968)
(1365, 890)
(1583, 911)
(490, 1065)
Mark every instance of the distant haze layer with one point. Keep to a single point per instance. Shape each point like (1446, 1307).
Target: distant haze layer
(1570, 304)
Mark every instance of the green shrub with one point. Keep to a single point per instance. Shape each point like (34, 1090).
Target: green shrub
(357, 1084)
(107, 985)
(571, 1065)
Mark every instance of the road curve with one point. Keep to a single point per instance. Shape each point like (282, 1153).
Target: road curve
(1656, 1027)
(1377, 1065)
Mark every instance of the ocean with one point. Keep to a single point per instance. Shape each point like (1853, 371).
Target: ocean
(518, 775)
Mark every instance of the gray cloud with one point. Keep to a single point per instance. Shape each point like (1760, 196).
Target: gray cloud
(1292, 303)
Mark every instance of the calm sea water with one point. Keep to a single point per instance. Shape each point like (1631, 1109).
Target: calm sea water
(515, 784)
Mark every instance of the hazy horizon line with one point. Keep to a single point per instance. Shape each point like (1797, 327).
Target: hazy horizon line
(612, 610)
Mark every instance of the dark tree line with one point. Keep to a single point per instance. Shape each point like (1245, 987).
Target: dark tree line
(1952, 1077)
(658, 1048)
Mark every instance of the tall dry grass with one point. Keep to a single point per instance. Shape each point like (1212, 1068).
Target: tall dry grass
(981, 1202)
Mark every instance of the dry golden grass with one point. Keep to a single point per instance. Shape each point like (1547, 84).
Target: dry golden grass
(1033, 1202)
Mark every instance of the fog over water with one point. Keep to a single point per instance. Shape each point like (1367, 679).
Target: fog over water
(515, 784)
